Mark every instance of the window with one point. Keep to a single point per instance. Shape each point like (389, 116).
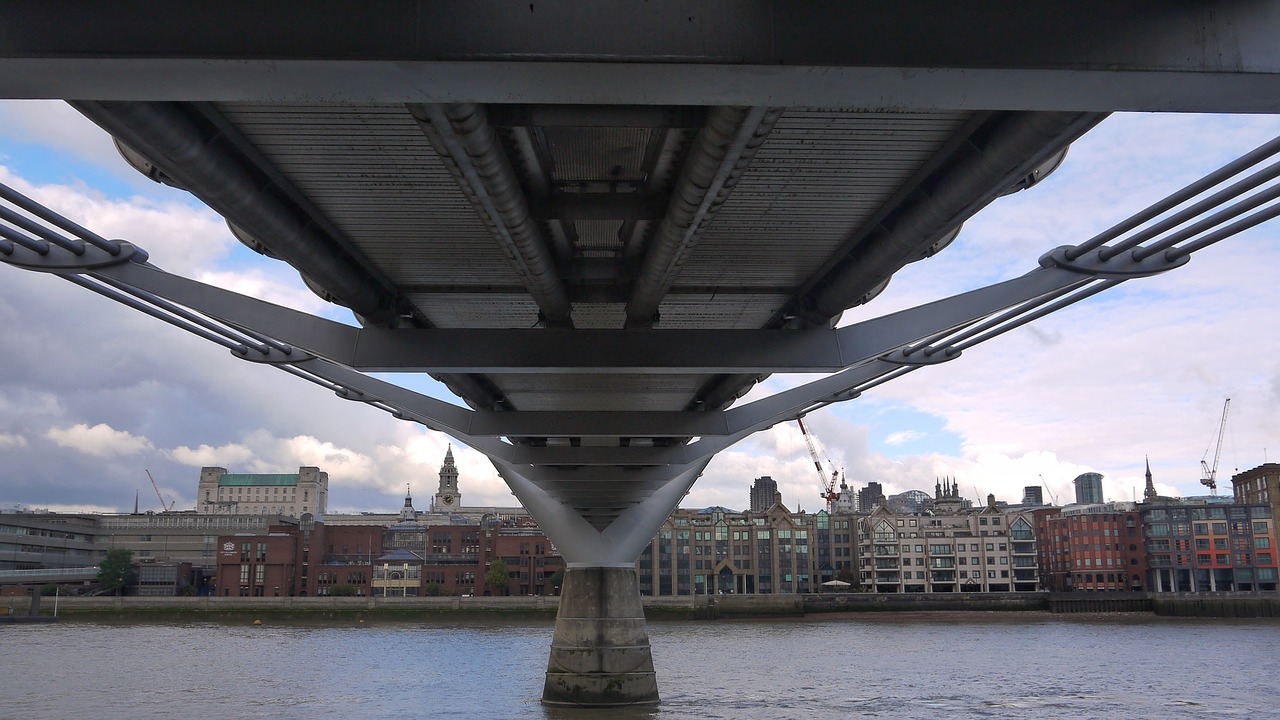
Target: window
(1262, 543)
(1219, 528)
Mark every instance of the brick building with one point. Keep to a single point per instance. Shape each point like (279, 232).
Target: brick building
(1091, 547)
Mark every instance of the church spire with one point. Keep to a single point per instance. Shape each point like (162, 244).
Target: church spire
(1149, 493)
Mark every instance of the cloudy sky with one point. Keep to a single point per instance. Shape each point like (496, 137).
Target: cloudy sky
(94, 395)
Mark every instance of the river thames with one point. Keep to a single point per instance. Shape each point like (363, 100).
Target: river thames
(956, 665)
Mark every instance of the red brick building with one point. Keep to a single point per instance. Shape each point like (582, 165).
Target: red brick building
(407, 559)
(271, 565)
(1091, 548)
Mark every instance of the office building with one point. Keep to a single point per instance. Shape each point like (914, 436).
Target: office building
(1088, 488)
(292, 494)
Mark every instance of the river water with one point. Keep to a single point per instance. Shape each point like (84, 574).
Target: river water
(954, 666)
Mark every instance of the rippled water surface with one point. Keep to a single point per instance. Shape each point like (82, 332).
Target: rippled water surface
(882, 666)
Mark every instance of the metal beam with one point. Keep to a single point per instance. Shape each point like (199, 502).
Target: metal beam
(588, 351)
(1100, 55)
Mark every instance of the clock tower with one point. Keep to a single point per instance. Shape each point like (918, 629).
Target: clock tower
(447, 498)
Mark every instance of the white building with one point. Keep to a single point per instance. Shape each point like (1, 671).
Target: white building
(294, 494)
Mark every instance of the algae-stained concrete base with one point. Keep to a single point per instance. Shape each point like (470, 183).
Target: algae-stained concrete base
(600, 652)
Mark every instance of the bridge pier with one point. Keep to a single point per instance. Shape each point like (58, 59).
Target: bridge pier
(600, 650)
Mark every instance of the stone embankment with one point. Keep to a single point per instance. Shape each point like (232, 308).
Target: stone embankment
(701, 607)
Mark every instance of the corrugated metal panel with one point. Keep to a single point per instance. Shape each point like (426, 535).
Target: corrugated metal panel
(599, 315)
(740, 311)
(598, 238)
(374, 174)
(599, 392)
(597, 154)
(817, 178)
(478, 309)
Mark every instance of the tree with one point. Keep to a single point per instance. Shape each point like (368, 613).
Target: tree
(115, 572)
(433, 588)
(556, 580)
(496, 576)
(343, 590)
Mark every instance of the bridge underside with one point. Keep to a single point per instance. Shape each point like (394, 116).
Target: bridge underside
(601, 228)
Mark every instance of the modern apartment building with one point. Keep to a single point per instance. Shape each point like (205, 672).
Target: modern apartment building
(1208, 548)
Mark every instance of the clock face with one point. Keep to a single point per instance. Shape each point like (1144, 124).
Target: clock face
(447, 499)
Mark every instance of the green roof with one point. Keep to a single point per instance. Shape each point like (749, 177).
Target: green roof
(266, 479)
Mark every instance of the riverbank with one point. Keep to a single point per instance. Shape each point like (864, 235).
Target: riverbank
(701, 607)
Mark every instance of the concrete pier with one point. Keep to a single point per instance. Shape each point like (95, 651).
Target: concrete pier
(600, 651)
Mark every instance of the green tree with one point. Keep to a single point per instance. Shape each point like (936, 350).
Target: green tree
(49, 589)
(115, 572)
(343, 590)
(557, 578)
(496, 576)
(433, 589)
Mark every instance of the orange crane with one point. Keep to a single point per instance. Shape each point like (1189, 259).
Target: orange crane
(1209, 477)
(829, 492)
(156, 487)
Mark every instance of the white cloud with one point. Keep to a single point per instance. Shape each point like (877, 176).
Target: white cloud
(278, 285)
(99, 441)
(9, 441)
(208, 456)
(179, 238)
(55, 124)
(903, 436)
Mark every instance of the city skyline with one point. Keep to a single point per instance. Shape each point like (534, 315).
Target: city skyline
(97, 394)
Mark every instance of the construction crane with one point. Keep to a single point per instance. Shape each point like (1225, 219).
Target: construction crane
(156, 487)
(1052, 497)
(1209, 475)
(829, 492)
